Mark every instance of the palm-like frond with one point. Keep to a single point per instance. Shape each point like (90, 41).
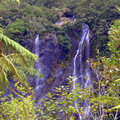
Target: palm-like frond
(24, 65)
(3, 79)
(17, 64)
(17, 67)
(1, 30)
(10, 43)
(6, 66)
(18, 59)
(23, 71)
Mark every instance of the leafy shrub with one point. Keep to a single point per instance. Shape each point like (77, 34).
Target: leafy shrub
(64, 41)
(21, 107)
(62, 104)
(17, 30)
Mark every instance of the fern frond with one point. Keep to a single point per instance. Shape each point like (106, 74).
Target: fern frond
(24, 79)
(34, 72)
(7, 65)
(1, 30)
(18, 59)
(31, 72)
(3, 80)
(8, 42)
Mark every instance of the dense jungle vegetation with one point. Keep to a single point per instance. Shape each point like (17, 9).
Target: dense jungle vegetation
(21, 20)
(31, 17)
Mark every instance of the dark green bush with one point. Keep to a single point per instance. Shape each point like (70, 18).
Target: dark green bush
(17, 30)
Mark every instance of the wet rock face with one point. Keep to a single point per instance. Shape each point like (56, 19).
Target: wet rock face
(52, 65)
(48, 58)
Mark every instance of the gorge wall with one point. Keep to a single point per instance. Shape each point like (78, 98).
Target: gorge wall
(55, 68)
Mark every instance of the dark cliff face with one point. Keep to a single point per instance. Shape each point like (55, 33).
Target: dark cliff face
(54, 67)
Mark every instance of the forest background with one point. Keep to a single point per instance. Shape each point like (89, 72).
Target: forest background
(23, 21)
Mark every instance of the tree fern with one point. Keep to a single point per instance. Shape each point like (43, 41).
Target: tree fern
(18, 59)
(10, 43)
(7, 66)
(17, 63)
(16, 66)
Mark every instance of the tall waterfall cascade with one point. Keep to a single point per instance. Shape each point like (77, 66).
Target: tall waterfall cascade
(81, 69)
(83, 76)
(38, 86)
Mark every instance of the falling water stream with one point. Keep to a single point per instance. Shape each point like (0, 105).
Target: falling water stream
(83, 51)
(83, 72)
(37, 65)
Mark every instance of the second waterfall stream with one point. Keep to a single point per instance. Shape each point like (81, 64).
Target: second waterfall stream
(83, 75)
(81, 69)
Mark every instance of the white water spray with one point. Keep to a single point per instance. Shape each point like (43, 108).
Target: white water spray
(84, 39)
(37, 66)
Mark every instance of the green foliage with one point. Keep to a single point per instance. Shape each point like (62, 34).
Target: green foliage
(6, 66)
(38, 17)
(21, 107)
(105, 93)
(52, 107)
(99, 15)
(25, 21)
(105, 98)
(17, 47)
(28, 20)
(18, 62)
(9, 1)
(18, 1)
(114, 34)
(17, 30)
(64, 42)
(62, 103)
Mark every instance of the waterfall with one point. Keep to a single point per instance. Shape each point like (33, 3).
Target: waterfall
(84, 69)
(37, 89)
(37, 46)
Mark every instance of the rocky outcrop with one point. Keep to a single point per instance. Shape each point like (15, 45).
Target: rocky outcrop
(52, 65)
